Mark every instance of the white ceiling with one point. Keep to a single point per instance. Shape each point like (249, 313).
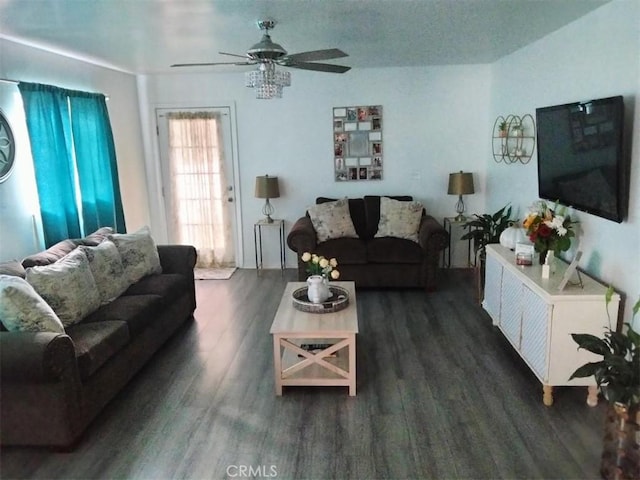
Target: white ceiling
(146, 36)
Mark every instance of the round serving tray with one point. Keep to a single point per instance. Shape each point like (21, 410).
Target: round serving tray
(339, 300)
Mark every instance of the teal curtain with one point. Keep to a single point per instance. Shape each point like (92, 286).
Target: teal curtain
(47, 114)
(96, 162)
(71, 135)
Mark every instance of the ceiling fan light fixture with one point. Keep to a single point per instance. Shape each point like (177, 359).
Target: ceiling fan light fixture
(267, 81)
(266, 54)
(266, 49)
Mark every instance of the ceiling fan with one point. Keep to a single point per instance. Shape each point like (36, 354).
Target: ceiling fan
(268, 53)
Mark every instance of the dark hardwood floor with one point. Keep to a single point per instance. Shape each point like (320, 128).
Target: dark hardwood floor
(441, 394)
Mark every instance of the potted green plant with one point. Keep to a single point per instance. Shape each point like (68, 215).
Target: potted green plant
(486, 228)
(502, 129)
(483, 230)
(617, 375)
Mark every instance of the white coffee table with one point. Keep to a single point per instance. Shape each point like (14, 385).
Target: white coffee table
(333, 365)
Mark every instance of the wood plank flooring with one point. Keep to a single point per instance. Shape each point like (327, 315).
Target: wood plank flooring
(441, 395)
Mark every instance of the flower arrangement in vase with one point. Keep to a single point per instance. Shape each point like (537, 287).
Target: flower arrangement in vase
(319, 269)
(549, 229)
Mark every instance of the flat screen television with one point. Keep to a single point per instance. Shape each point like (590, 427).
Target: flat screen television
(582, 161)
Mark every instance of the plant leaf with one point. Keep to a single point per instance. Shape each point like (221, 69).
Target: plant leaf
(633, 336)
(587, 370)
(508, 213)
(617, 342)
(608, 294)
(591, 342)
(473, 223)
(498, 214)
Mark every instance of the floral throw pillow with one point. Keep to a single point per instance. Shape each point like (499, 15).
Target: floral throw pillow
(138, 253)
(332, 220)
(67, 286)
(399, 219)
(107, 270)
(23, 310)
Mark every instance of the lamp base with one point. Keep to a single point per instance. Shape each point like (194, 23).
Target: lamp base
(460, 210)
(267, 211)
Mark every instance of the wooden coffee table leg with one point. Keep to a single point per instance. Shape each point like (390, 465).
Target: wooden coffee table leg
(592, 396)
(352, 365)
(277, 364)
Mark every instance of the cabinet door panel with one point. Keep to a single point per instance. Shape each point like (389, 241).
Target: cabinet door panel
(492, 286)
(511, 307)
(536, 315)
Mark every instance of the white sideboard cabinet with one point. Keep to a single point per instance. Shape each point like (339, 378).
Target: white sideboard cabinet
(538, 320)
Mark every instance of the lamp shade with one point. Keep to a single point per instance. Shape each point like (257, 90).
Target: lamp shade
(267, 187)
(460, 183)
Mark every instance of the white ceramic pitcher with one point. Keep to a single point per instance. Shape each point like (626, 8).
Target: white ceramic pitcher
(318, 289)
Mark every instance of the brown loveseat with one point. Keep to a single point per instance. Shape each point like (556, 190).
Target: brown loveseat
(372, 261)
(54, 384)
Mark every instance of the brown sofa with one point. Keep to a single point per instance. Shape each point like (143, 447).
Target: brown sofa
(55, 384)
(370, 261)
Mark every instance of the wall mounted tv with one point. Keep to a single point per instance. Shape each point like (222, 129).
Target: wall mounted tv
(582, 161)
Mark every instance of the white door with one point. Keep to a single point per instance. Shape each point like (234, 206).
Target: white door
(197, 166)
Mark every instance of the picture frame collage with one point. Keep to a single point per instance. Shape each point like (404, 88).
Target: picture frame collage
(357, 143)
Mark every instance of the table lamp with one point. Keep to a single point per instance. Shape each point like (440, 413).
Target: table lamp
(460, 183)
(267, 187)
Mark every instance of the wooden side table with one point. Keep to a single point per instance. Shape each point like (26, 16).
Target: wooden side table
(257, 241)
(452, 225)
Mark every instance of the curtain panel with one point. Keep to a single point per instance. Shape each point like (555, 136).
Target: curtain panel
(96, 162)
(74, 161)
(49, 126)
(200, 214)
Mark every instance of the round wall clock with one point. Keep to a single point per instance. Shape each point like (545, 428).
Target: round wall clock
(7, 148)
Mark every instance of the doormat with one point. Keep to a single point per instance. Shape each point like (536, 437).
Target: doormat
(213, 273)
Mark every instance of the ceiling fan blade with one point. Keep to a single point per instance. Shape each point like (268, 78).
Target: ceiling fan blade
(316, 55)
(234, 55)
(211, 64)
(319, 67)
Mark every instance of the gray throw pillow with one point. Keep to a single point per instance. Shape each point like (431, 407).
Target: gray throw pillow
(138, 253)
(332, 220)
(23, 310)
(12, 267)
(399, 219)
(107, 270)
(67, 286)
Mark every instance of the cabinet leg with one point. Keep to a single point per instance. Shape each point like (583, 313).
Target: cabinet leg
(592, 396)
(547, 395)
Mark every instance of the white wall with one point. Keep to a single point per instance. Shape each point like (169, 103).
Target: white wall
(18, 197)
(437, 120)
(596, 56)
(434, 123)
(19, 214)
